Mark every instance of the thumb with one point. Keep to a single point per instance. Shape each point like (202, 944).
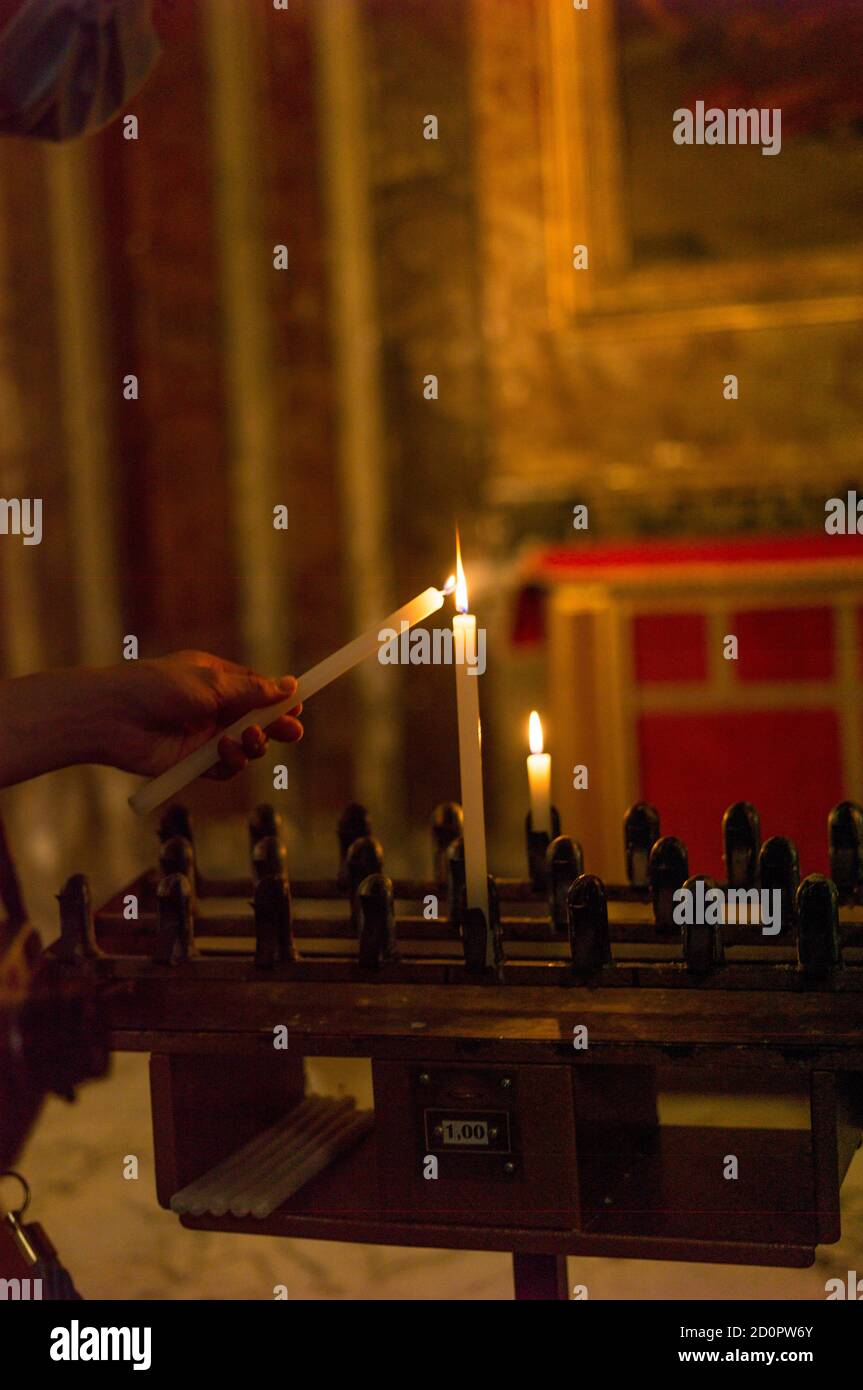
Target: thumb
(243, 691)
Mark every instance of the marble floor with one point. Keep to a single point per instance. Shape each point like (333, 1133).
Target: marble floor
(119, 1244)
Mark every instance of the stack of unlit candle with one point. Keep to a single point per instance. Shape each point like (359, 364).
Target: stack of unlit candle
(266, 1172)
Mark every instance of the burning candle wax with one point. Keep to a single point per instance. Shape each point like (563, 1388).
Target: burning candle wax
(469, 745)
(153, 793)
(539, 778)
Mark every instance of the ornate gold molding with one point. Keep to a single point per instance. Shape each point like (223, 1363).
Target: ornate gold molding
(585, 203)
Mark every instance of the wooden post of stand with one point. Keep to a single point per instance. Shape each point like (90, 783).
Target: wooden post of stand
(540, 1277)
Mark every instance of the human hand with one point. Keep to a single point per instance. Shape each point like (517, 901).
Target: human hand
(154, 712)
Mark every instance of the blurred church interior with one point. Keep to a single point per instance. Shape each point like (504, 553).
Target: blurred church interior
(638, 453)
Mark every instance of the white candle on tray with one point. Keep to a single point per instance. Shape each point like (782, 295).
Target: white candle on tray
(470, 747)
(169, 783)
(539, 778)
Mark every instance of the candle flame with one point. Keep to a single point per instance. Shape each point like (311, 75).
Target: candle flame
(460, 581)
(449, 585)
(535, 732)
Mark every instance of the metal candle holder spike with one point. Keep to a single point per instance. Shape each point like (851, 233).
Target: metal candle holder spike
(703, 946)
(482, 938)
(365, 857)
(354, 824)
(778, 867)
(564, 860)
(741, 844)
(589, 939)
(175, 931)
(640, 833)
(176, 820)
(537, 842)
(667, 870)
(447, 826)
(177, 856)
(77, 930)
(845, 832)
(377, 922)
(269, 858)
(274, 942)
(456, 881)
(819, 951)
(265, 822)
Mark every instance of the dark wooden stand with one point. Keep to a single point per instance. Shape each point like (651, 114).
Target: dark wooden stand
(581, 1164)
(596, 1174)
(540, 1276)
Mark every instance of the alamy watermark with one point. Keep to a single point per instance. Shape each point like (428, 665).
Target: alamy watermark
(22, 516)
(844, 515)
(439, 646)
(736, 126)
(77, 1343)
(20, 1290)
(710, 906)
(850, 1288)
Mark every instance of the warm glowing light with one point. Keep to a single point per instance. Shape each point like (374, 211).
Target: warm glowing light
(535, 732)
(460, 581)
(449, 585)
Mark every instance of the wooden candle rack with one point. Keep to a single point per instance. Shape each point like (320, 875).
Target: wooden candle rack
(495, 1126)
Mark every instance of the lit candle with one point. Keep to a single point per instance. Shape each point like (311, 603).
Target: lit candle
(470, 748)
(169, 783)
(539, 778)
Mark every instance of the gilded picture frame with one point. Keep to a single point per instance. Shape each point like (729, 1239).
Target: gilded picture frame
(586, 205)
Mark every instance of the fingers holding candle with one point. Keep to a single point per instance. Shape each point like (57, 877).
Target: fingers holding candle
(206, 754)
(235, 754)
(254, 741)
(287, 728)
(232, 760)
(243, 690)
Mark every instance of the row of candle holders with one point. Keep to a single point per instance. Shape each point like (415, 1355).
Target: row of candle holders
(649, 856)
(657, 866)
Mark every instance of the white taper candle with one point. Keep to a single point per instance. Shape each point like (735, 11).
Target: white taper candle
(539, 779)
(470, 749)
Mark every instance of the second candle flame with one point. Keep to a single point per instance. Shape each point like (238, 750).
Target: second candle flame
(460, 581)
(534, 732)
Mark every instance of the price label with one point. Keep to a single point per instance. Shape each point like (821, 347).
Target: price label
(466, 1132)
(487, 1130)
